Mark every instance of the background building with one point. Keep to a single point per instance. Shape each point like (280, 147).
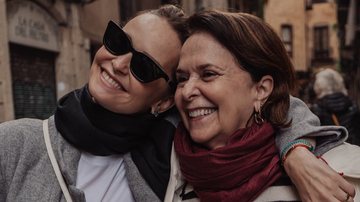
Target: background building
(308, 30)
(319, 33)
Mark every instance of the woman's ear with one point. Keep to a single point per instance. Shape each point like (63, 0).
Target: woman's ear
(162, 105)
(264, 88)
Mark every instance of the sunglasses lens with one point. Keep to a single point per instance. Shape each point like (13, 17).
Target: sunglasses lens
(144, 69)
(115, 40)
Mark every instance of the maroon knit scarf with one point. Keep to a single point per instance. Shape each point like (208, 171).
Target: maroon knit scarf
(239, 171)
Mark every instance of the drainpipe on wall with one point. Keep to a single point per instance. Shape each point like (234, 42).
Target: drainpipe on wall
(6, 98)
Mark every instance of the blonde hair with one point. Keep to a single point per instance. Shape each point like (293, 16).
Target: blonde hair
(329, 81)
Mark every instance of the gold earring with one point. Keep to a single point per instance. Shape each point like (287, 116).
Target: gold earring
(257, 115)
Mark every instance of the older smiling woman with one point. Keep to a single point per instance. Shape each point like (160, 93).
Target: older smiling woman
(233, 94)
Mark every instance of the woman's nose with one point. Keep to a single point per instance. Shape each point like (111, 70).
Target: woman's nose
(121, 63)
(190, 90)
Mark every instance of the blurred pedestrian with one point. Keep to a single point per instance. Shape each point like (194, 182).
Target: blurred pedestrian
(333, 106)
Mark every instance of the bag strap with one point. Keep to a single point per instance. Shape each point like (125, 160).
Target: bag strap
(54, 163)
(335, 119)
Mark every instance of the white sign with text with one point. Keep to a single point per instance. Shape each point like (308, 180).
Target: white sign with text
(31, 25)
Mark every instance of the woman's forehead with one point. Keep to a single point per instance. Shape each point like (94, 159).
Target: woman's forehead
(154, 36)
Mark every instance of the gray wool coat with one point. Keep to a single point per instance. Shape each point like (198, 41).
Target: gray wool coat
(26, 173)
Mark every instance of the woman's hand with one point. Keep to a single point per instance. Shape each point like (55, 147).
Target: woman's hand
(314, 179)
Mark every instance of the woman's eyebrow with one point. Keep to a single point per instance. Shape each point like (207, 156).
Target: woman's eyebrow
(206, 65)
(200, 67)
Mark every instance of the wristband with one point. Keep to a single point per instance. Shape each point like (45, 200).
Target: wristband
(292, 145)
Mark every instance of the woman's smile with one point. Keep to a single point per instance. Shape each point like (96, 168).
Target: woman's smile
(200, 112)
(110, 81)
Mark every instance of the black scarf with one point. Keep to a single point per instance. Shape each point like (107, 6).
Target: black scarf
(94, 129)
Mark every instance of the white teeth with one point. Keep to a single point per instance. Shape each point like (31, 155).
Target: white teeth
(201, 112)
(110, 80)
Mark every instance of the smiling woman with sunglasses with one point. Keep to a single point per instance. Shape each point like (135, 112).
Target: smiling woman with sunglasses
(112, 139)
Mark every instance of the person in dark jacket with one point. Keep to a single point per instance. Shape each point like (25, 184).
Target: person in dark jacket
(333, 105)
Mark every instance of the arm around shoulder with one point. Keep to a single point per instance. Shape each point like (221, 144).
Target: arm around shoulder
(310, 175)
(306, 125)
(303, 122)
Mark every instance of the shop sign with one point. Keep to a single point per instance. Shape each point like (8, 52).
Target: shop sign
(31, 25)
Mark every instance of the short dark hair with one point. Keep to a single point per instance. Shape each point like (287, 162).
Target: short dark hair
(257, 49)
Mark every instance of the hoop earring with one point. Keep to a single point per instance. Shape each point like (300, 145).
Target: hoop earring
(257, 115)
(258, 119)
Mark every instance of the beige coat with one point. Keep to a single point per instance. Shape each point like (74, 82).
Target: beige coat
(344, 158)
